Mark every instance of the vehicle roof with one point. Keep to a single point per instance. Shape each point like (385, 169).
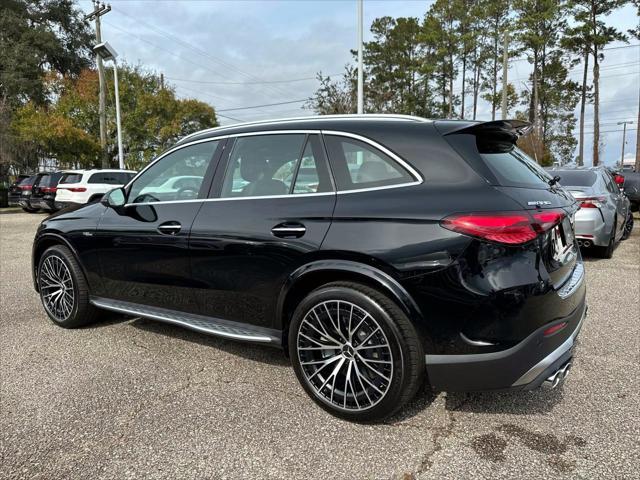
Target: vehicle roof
(95, 170)
(350, 122)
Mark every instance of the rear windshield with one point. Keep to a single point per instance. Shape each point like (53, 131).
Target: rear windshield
(111, 178)
(71, 178)
(50, 180)
(28, 180)
(575, 178)
(514, 168)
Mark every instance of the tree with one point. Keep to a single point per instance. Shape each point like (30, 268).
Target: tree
(635, 33)
(36, 38)
(67, 129)
(589, 14)
(334, 97)
(496, 99)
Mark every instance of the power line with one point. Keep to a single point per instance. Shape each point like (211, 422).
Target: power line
(249, 83)
(264, 105)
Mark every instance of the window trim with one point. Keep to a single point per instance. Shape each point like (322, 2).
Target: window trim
(418, 179)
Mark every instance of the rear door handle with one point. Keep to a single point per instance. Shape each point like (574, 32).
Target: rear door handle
(289, 230)
(170, 228)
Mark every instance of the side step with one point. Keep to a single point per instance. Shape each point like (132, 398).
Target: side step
(199, 323)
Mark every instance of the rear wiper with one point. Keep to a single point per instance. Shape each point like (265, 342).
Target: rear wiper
(553, 181)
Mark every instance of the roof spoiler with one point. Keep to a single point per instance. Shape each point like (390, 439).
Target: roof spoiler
(517, 128)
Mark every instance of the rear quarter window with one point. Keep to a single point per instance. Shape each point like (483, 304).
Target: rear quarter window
(110, 178)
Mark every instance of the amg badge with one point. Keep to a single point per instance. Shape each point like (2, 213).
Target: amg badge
(538, 203)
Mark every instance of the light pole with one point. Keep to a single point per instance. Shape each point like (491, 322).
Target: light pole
(360, 72)
(106, 52)
(624, 137)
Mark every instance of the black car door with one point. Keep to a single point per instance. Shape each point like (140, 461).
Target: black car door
(143, 246)
(269, 212)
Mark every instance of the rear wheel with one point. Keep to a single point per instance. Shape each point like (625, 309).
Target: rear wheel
(355, 352)
(628, 226)
(63, 289)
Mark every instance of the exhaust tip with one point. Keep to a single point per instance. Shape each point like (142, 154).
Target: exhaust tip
(557, 377)
(586, 243)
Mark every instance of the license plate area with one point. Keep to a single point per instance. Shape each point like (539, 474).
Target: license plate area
(562, 238)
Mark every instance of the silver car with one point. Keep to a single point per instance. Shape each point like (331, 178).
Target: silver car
(600, 222)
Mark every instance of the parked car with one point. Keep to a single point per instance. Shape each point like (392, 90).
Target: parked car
(43, 192)
(631, 189)
(603, 218)
(422, 250)
(15, 192)
(77, 187)
(20, 193)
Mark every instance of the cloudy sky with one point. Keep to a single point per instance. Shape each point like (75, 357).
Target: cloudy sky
(236, 54)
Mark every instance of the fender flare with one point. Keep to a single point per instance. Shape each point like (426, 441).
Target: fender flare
(60, 240)
(383, 280)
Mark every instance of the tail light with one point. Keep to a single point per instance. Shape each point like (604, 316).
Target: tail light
(73, 189)
(591, 202)
(511, 228)
(48, 189)
(25, 187)
(619, 179)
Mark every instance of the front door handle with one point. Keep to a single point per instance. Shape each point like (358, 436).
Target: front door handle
(170, 228)
(289, 230)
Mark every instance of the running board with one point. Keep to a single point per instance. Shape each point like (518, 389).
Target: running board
(199, 323)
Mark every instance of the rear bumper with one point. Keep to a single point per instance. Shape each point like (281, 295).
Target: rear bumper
(524, 366)
(44, 203)
(591, 226)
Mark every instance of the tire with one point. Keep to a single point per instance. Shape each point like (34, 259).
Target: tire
(30, 210)
(71, 308)
(628, 226)
(360, 384)
(607, 252)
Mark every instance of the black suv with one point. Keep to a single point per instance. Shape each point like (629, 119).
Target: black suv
(378, 251)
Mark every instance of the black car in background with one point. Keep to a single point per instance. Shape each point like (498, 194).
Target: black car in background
(631, 188)
(20, 192)
(43, 192)
(409, 250)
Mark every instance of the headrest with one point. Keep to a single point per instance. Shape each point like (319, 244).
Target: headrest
(252, 166)
(372, 172)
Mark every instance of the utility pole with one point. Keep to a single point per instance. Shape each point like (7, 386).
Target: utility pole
(638, 136)
(624, 138)
(360, 72)
(505, 70)
(99, 10)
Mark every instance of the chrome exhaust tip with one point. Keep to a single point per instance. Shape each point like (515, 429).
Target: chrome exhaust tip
(558, 377)
(580, 244)
(586, 243)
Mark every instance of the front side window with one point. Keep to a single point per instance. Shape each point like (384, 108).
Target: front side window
(274, 165)
(359, 165)
(159, 182)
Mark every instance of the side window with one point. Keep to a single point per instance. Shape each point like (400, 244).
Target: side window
(359, 165)
(154, 185)
(110, 178)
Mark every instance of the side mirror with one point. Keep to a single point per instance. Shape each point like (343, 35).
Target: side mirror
(114, 198)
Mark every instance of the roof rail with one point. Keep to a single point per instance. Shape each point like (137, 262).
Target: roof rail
(351, 116)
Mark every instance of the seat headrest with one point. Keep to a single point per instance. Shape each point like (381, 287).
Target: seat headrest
(372, 172)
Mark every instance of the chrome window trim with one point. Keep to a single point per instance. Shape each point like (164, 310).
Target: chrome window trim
(414, 173)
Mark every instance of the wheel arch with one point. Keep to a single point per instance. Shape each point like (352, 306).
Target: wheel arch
(312, 275)
(44, 242)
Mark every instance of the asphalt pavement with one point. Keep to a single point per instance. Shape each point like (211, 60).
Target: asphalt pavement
(132, 398)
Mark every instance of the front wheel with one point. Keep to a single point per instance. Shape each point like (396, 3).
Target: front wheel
(355, 352)
(64, 291)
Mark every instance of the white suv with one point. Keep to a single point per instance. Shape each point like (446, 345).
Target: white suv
(85, 186)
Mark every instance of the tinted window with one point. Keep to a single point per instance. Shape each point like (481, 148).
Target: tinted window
(262, 165)
(359, 165)
(50, 180)
(515, 168)
(191, 161)
(575, 178)
(71, 178)
(111, 178)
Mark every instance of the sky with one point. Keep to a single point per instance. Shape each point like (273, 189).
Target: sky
(237, 54)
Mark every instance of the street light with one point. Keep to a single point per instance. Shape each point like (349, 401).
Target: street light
(624, 137)
(106, 52)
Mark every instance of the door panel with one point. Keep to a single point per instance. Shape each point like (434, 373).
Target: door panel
(144, 246)
(240, 265)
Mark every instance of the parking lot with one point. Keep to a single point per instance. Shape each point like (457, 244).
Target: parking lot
(132, 398)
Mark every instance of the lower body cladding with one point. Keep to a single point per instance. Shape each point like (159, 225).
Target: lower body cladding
(537, 361)
(591, 228)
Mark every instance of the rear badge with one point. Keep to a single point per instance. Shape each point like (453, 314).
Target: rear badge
(538, 203)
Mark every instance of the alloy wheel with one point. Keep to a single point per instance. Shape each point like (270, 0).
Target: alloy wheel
(345, 355)
(56, 288)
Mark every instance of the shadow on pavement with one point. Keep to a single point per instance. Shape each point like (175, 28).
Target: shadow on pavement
(515, 403)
